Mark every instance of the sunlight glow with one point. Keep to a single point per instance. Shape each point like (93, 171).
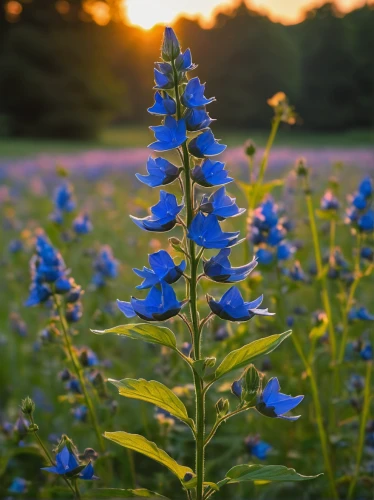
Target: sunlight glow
(147, 13)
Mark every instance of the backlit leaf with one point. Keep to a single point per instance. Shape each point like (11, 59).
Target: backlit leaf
(144, 331)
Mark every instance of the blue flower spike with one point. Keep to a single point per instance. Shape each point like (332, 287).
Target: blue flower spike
(162, 269)
(219, 269)
(163, 215)
(160, 172)
(232, 306)
(220, 205)
(68, 465)
(160, 304)
(170, 135)
(272, 403)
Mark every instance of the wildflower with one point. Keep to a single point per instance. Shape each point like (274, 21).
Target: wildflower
(160, 304)
(272, 403)
(210, 173)
(356, 383)
(68, 465)
(88, 357)
(204, 145)
(360, 313)
(18, 486)
(366, 351)
(170, 135)
(206, 232)
(237, 389)
(74, 386)
(220, 205)
(74, 312)
(296, 272)
(63, 198)
(164, 105)
(105, 266)
(329, 201)
(197, 119)
(256, 447)
(366, 222)
(15, 246)
(232, 307)
(264, 256)
(163, 76)
(82, 224)
(163, 216)
(161, 172)
(162, 269)
(367, 254)
(80, 413)
(219, 269)
(285, 250)
(193, 96)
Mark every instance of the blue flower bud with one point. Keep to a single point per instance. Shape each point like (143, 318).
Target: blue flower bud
(170, 45)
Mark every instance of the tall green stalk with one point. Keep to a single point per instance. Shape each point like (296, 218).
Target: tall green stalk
(364, 419)
(192, 294)
(78, 372)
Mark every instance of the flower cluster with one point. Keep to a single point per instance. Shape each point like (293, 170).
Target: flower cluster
(269, 232)
(105, 266)
(361, 214)
(49, 276)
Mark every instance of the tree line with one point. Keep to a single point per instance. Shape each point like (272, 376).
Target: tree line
(61, 74)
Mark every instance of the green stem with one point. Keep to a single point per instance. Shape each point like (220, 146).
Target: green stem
(78, 372)
(192, 293)
(76, 489)
(47, 454)
(322, 276)
(364, 419)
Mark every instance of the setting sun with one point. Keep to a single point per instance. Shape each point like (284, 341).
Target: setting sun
(147, 13)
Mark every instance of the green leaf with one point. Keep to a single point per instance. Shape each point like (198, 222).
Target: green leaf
(199, 367)
(155, 393)
(142, 445)
(119, 493)
(241, 473)
(144, 331)
(246, 354)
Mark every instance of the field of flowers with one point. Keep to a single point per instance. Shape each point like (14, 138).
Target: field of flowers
(69, 249)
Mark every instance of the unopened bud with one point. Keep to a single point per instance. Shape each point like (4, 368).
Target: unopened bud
(27, 406)
(170, 46)
(250, 148)
(222, 407)
(251, 383)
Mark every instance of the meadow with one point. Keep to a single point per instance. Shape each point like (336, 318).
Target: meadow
(320, 288)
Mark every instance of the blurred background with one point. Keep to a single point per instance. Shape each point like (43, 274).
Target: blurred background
(82, 69)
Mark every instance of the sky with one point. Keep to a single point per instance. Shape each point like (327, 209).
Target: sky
(147, 13)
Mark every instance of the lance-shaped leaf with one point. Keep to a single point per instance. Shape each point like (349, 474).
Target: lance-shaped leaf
(119, 493)
(142, 445)
(155, 393)
(246, 354)
(241, 473)
(144, 331)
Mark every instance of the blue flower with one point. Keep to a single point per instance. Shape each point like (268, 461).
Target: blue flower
(170, 135)
(366, 352)
(256, 447)
(237, 388)
(197, 119)
(359, 201)
(73, 312)
(366, 221)
(15, 246)
(193, 96)
(219, 269)
(206, 232)
(80, 413)
(366, 187)
(82, 224)
(66, 463)
(275, 235)
(329, 201)
(285, 250)
(160, 304)
(205, 144)
(163, 79)
(63, 198)
(19, 486)
(74, 386)
(164, 105)
(220, 205)
(162, 269)
(210, 174)
(296, 272)
(105, 266)
(266, 215)
(184, 62)
(360, 313)
(161, 172)
(367, 254)
(39, 293)
(264, 256)
(272, 403)
(87, 474)
(232, 306)
(163, 216)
